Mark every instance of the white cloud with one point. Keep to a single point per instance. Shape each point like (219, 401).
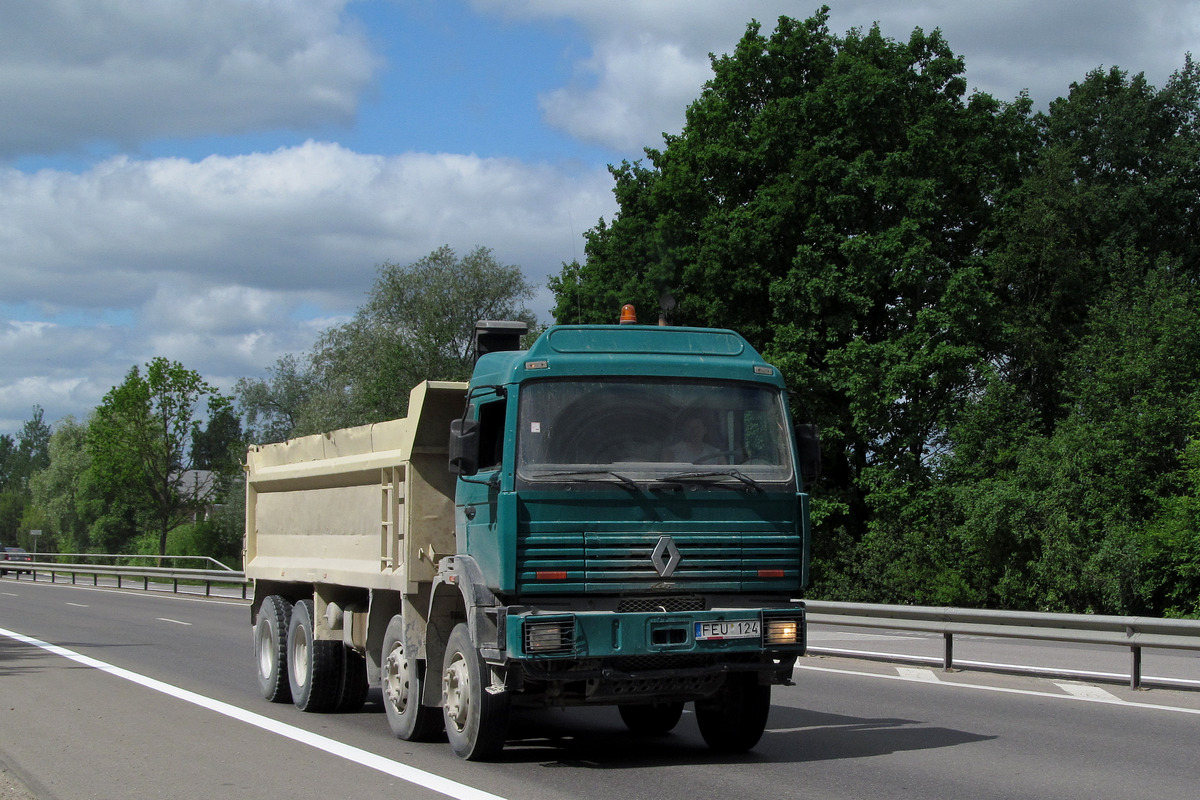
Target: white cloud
(224, 264)
(122, 71)
(650, 60)
(317, 217)
(607, 113)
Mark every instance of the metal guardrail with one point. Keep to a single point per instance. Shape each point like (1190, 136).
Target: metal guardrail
(207, 577)
(1134, 633)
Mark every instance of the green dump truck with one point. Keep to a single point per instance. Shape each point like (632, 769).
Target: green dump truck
(615, 516)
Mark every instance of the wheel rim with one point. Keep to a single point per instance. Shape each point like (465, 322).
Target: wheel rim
(396, 686)
(456, 691)
(266, 653)
(299, 659)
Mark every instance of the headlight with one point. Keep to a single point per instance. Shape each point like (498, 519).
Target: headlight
(550, 637)
(782, 631)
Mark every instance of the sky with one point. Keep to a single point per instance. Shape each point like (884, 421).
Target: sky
(218, 181)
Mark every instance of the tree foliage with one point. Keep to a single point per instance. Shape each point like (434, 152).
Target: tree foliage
(64, 492)
(991, 313)
(417, 324)
(139, 442)
(827, 197)
(20, 459)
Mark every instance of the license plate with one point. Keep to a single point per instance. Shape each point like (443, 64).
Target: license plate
(728, 629)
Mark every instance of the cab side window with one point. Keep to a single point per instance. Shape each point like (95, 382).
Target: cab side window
(491, 434)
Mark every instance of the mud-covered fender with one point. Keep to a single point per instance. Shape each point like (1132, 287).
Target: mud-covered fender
(459, 595)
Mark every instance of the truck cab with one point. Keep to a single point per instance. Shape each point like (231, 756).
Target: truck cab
(632, 499)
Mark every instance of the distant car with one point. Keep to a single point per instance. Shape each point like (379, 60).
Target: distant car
(11, 554)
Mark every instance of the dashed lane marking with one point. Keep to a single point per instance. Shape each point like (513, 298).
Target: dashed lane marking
(1111, 700)
(1090, 692)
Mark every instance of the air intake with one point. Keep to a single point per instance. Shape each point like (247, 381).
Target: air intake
(498, 336)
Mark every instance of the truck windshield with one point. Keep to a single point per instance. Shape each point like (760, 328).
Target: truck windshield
(612, 429)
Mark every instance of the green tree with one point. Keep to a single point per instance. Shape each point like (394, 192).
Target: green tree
(19, 460)
(829, 197)
(29, 452)
(1113, 188)
(12, 508)
(1068, 467)
(417, 324)
(139, 442)
(216, 446)
(62, 492)
(273, 408)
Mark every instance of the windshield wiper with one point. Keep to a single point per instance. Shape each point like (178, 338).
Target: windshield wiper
(626, 481)
(716, 477)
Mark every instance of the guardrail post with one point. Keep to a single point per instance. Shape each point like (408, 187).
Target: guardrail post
(948, 657)
(175, 586)
(1135, 667)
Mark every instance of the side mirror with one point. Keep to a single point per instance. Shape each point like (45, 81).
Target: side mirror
(464, 446)
(808, 443)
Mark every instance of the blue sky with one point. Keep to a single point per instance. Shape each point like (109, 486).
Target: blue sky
(216, 181)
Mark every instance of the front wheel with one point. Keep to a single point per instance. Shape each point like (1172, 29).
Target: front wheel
(476, 718)
(408, 719)
(733, 720)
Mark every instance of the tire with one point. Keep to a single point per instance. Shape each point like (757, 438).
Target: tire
(270, 649)
(314, 665)
(354, 682)
(476, 719)
(651, 719)
(734, 719)
(401, 678)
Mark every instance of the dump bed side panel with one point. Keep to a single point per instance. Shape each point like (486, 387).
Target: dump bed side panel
(368, 507)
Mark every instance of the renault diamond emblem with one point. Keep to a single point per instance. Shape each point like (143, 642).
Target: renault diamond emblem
(665, 557)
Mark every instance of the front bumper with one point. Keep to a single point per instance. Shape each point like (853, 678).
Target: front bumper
(605, 657)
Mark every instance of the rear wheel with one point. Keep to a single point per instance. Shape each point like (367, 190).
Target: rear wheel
(314, 665)
(734, 719)
(354, 681)
(476, 718)
(408, 719)
(651, 719)
(270, 648)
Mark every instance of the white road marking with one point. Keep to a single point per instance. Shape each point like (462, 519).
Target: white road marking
(79, 605)
(177, 622)
(925, 675)
(404, 772)
(1005, 690)
(1093, 692)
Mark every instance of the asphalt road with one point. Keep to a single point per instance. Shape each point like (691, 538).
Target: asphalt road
(107, 694)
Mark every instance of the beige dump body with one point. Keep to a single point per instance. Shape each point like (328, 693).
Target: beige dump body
(369, 507)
